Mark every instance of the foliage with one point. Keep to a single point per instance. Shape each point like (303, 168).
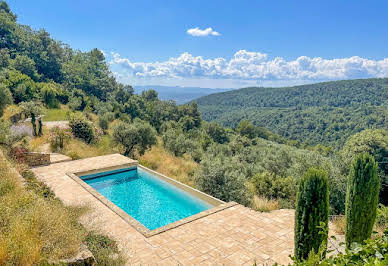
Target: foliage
(22, 87)
(323, 113)
(134, 138)
(247, 129)
(220, 178)
(49, 94)
(58, 137)
(371, 252)
(312, 209)
(104, 120)
(361, 199)
(381, 217)
(5, 98)
(82, 128)
(25, 65)
(176, 142)
(216, 132)
(374, 142)
(104, 249)
(270, 186)
(31, 109)
(89, 73)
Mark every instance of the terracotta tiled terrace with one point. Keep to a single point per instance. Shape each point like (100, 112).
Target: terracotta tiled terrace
(233, 236)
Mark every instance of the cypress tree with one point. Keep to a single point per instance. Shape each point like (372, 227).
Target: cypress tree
(33, 122)
(362, 197)
(312, 208)
(40, 129)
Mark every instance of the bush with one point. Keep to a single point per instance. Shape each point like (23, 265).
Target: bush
(58, 138)
(374, 142)
(82, 128)
(312, 210)
(371, 252)
(217, 132)
(103, 122)
(177, 143)
(49, 95)
(361, 199)
(382, 217)
(270, 186)
(134, 138)
(247, 129)
(104, 249)
(220, 177)
(5, 98)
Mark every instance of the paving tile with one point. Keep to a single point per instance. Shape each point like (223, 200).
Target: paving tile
(234, 236)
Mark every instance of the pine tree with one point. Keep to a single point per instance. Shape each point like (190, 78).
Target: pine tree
(312, 209)
(361, 199)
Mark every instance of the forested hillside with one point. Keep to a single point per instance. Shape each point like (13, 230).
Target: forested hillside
(324, 113)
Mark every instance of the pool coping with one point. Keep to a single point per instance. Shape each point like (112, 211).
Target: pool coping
(220, 205)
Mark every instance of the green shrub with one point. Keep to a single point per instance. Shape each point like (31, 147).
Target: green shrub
(5, 98)
(274, 187)
(82, 128)
(177, 143)
(220, 177)
(361, 199)
(217, 132)
(312, 210)
(49, 95)
(104, 249)
(382, 216)
(134, 138)
(371, 252)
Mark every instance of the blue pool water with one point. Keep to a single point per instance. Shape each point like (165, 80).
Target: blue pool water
(150, 200)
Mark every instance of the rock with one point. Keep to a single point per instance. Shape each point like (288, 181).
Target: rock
(83, 258)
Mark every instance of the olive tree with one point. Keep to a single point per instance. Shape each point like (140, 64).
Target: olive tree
(135, 138)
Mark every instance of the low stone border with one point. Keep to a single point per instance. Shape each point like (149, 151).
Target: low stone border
(132, 221)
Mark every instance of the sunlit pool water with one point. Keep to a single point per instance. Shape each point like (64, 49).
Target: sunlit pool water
(147, 198)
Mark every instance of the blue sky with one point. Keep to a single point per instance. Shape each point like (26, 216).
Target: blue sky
(258, 42)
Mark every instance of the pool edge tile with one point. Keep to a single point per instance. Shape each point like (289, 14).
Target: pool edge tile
(132, 221)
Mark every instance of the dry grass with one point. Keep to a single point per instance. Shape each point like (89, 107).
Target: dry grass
(34, 228)
(264, 205)
(181, 169)
(40, 144)
(339, 225)
(10, 111)
(77, 149)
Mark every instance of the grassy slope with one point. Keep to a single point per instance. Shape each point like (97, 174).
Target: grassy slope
(179, 168)
(27, 223)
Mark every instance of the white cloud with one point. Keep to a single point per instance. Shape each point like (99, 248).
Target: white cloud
(197, 32)
(250, 67)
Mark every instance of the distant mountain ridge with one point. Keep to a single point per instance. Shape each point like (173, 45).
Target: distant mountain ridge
(180, 95)
(325, 113)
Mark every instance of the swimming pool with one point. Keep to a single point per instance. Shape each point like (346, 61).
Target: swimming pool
(150, 199)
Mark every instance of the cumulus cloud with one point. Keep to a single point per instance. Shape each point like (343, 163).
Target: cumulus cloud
(253, 66)
(197, 32)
